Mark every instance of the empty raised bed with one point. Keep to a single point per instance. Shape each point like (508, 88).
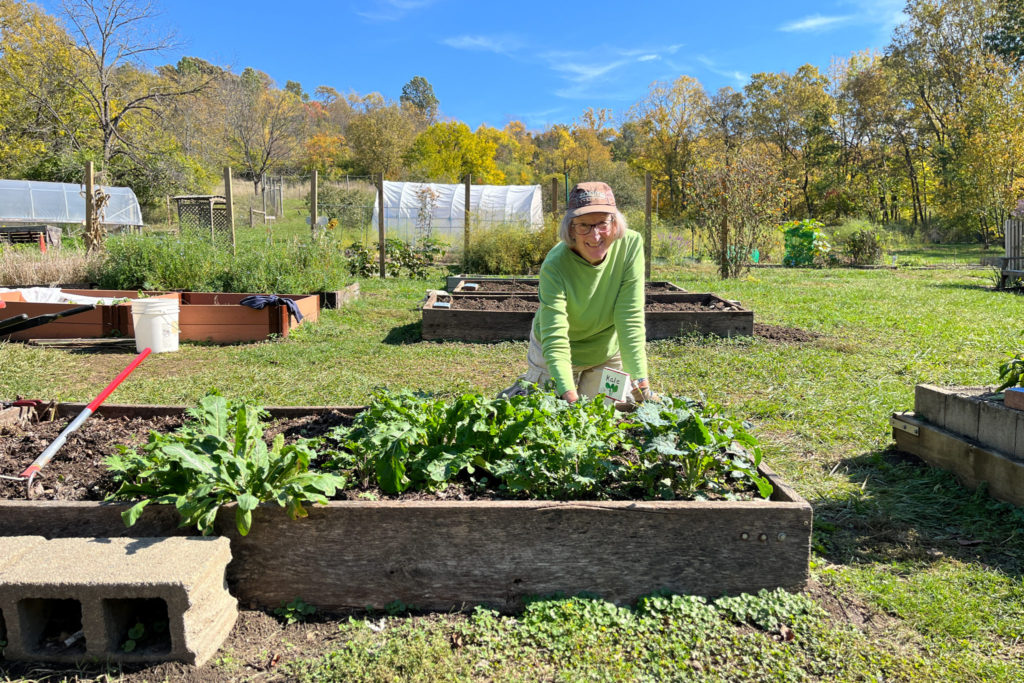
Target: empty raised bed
(967, 431)
(485, 318)
(202, 316)
(452, 554)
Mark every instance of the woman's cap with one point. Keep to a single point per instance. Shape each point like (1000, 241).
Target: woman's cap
(591, 198)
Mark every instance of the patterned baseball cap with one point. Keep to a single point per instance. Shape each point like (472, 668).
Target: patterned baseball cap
(593, 197)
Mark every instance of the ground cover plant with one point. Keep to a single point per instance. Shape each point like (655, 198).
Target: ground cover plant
(919, 579)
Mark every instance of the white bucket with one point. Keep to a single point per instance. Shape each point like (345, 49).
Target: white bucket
(156, 324)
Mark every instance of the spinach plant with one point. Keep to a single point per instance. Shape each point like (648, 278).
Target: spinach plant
(219, 457)
(1011, 372)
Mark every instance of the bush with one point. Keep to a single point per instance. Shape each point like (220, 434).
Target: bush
(351, 207)
(864, 247)
(399, 258)
(510, 249)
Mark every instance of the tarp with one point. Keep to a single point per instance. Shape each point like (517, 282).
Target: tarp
(488, 205)
(36, 201)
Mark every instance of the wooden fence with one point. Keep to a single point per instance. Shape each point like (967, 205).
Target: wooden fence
(1012, 267)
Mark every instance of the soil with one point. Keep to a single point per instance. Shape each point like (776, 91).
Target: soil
(515, 287)
(516, 304)
(780, 333)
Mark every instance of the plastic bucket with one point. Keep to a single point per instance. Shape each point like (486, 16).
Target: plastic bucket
(156, 324)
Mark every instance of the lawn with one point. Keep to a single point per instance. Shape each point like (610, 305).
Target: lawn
(914, 578)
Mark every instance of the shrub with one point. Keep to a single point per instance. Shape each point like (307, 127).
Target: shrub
(864, 247)
(510, 249)
(399, 258)
(351, 206)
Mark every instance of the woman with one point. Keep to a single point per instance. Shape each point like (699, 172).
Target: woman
(591, 313)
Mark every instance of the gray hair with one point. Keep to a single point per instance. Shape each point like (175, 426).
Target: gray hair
(618, 227)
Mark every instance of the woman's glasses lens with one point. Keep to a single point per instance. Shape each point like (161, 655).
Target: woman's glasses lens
(584, 229)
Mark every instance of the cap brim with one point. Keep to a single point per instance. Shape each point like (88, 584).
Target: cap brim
(591, 208)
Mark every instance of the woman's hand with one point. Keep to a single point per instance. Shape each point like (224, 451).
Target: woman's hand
(642, 392)
(571, 396)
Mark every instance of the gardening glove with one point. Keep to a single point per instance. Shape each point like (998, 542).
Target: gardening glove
(642, 392)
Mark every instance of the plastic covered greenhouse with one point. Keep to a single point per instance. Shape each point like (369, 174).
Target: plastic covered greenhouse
(32, 201)
(488, 205)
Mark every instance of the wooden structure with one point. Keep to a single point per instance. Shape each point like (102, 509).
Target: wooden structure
(1012, 265)
(452, 555)
(30, 234)
(202, 316)
(964, 430)
(204, 212)
(495, 325)
(492, 286)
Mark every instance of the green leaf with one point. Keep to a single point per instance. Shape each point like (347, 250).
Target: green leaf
(132, 514)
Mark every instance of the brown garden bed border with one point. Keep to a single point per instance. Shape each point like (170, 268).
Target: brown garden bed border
(350, 555)
(488, 326)
(963, 431)
(460, 290)
(203, 316)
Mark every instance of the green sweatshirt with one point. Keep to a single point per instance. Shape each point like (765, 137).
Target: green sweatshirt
(587, 312)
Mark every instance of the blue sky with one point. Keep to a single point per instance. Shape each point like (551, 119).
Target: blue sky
(538, 62)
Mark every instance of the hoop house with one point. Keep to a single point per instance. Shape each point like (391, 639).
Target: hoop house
(408, 205)
(31, 201)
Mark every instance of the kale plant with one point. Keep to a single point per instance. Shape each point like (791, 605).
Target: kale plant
(219, 457)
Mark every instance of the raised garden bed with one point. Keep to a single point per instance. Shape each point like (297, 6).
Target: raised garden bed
(529, 286)
(202, 316)
(484, 318)
(452, 554)
(969, 432)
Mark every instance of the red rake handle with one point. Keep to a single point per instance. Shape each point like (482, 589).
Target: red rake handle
(44, 457)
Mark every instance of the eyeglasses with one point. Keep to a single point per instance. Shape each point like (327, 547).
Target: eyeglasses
(582, 229)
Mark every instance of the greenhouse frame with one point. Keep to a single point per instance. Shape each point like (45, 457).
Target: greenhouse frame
(33, 201)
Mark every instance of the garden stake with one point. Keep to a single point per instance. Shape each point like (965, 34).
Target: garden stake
(39, 463)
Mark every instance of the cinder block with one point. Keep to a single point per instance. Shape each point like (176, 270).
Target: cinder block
(930, 403)
(962, 414)
(122, 599)
(1018, 448)
(997, 426)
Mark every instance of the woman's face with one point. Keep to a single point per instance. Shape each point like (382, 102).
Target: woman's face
(591, 234)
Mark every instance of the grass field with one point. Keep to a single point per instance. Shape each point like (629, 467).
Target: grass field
(914, 578)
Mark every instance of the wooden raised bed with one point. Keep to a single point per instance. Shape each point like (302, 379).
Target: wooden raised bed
(495, 286)
(453, 555)
(202, 316)
(964, 431)
(498, 325)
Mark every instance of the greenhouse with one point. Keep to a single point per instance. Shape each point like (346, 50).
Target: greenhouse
(437, 210)
(32, 201)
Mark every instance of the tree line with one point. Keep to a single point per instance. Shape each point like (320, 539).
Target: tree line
(927, 133)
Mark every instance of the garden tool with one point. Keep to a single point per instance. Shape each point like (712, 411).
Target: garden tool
(39, 463)
(43, 319)
(10, 322)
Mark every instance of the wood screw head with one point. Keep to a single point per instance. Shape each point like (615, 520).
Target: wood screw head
(782, 536)
(763, 537)
(745, 536)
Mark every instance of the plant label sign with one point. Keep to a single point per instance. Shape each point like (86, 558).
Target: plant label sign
(614, 384)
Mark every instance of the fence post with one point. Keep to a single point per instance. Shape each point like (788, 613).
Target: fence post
(229, 199)
(468, 180)
(648, 232)
(313, 181)
(380, 222)
(90, 201)
(554, 195)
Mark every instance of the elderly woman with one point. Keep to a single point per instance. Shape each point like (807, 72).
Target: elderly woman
(591, 313)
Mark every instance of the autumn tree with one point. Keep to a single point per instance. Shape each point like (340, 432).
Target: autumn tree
(448, 151)
(418, 96)
(379, 136)
(666, 125)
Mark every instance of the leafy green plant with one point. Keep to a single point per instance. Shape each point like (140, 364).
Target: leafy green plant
(139, 636)
(1011, 372)
(399, 258)
(539, 446)
(295, 611)
(769, 610)
(219, 457)
(864, 247)
(806, 244)
(509, 249)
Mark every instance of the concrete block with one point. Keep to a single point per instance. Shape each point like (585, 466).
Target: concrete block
(930, 403)
(997, 426)
(11, 550)
(962, 413)
(1018, 449)
(73, 598)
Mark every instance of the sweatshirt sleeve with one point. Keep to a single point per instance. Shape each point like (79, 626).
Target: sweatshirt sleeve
(553, 326)
(629, 312)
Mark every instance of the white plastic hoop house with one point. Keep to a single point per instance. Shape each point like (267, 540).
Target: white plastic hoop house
(32, 201)
(407, 206)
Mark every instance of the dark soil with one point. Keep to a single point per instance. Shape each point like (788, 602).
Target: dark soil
(515, 287)
(780, 333)
(529, 305)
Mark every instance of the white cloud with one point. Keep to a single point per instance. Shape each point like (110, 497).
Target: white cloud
(392, 10)
(578, 72)
(738, 77)
(499, 44)
(647, 58)
(817, 22)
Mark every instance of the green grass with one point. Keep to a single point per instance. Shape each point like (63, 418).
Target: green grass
(921, 579)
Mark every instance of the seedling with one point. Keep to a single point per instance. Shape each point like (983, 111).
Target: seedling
(1011, 372)
(295, 611)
